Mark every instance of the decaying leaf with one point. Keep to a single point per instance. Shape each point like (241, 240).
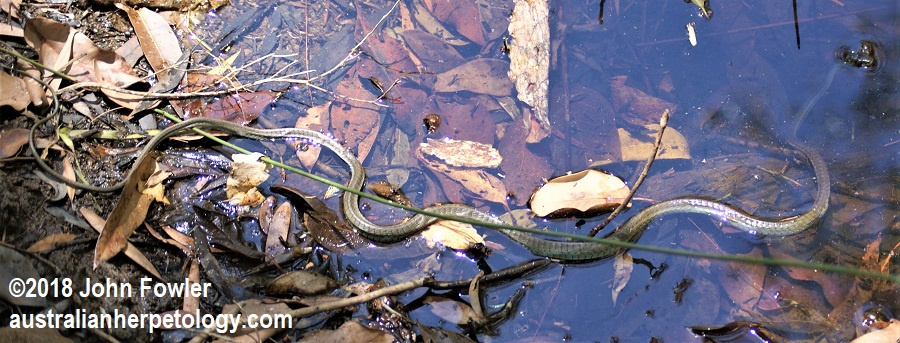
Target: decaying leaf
(890, 334)
(463, 15)
(30, 335)
(477, 181)
(158, 41)
(11, 141)
(459, 153)
(240, 108)
(623, 266)
(278, 230)
(451, 310)
(673, 145)
(482, 76)
(301, 282)
(128, 213)
(51, 242)
(529, 56)
(635, 106)
(14, 93)
(451, 234)
(584, 193)
(316, 118)
(130, 250)
(434, 54)
(247, 172)
(351, 331)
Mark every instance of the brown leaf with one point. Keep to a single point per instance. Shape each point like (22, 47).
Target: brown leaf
(623, 265)
(69, 173)
(350, 331)
(322, 222)
(476, 181)
(130, 250)
(482, 76)
(14, 93)
(278, 230)
(316, 118)
(523, 168)
(450, 310)
(301, 282)
(459, 153)
(32, 335)
(157, 39)
(435, 54)
(128, 213)
(584, 193)
(355, 125)
(529, 56)
(673, 145)
(635, 106)
(464, 17)
(247, 172)
(11, 141)
(51, 242)
(240, 108)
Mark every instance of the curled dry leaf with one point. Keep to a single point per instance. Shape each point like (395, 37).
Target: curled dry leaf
(451, 234)
(14, 93)
(482, 76)
(459, 153)
(480, 183)
(529, 56)
(584, 193)
(247, 172)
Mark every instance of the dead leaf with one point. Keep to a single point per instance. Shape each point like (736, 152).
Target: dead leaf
(51, 242)
(435, 54)
(316, 118)
(128, 213)
(585, 193)
(529, 55)
(635, 106)
(451, 310)
(277, 231)
(301, 282)
(158, 41)
(32, 335)
(451, 234)
(623, 266)
(247, 172)
(11, 141)
(523, 168)
(890, 334)
(432, 25)
(350, 331)
(673, 145)
(14, 93)
(130, 250)
(480, 183)
(68, 172)
(463, 15)
(482, 76)
(239, 108)
(459, 153)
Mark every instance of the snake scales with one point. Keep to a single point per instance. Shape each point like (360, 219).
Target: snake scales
(630, 231)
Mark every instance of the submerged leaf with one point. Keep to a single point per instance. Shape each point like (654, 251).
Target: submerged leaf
(462, 153)
(584, 193)
(482, 76)
(451, 234)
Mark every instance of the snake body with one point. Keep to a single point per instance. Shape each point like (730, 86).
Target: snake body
(630, 231)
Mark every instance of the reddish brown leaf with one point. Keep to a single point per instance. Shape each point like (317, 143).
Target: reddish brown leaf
(482, 76)
(463, 15)
(14, 93)
(355, 124)
(435, 55)
(11, 141)
(241, 108)
(128, 213)
(523, 168)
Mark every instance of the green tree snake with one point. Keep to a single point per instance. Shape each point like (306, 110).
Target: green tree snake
(573, 251)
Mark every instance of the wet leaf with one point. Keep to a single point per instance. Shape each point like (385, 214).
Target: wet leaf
(584, 193)
(529, 56)
(890, 334)
(623, 266)
(355, 124)
(439, 335)
(317, 118)
(247, 172)
(14, 93)
(451, 310)
(673, 145)
(301, 282)
(240, 108)
(476, 181)
(128, 213)
(482, 76)
(451, 234)
(523, 168)
(130, 250)
(350, 331)
(51, 242)
(11, 141)
(322, 222)
(635, 106)
(15, 265)
(463, 15)
(433, 26)
(459, 153)
(435, 54)
(277, 231)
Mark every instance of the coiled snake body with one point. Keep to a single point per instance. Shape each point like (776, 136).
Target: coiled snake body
(630, 231)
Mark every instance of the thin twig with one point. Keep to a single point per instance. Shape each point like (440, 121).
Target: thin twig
(663, 122)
